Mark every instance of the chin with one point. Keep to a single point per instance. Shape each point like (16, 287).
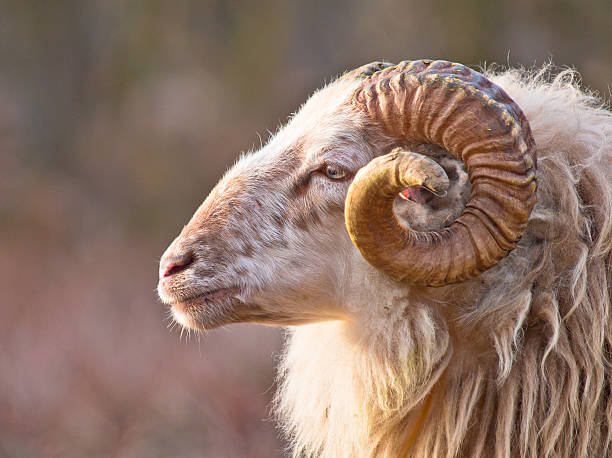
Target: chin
(197, 320)
(202, 314)
(201, 311)
(212, 309)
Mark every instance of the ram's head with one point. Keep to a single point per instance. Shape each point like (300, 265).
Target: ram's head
(294, 232)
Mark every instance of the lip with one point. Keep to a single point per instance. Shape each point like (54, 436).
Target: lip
(206, 310)
(208, 297)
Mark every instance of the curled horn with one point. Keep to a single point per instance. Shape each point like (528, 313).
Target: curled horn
(457, 108)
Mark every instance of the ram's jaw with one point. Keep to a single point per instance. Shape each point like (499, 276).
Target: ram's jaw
(205, 313)
(271, 287)
(275, 305)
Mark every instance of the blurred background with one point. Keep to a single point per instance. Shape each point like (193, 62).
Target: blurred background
(116, 119)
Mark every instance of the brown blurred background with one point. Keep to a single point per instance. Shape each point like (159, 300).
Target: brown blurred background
(116, 119)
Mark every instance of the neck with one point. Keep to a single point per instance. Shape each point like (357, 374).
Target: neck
(366, 385)
(410, 390)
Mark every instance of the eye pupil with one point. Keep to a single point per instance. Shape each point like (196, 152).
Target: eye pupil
(334, 172)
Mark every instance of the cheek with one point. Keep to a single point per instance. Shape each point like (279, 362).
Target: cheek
(333, 192)
(325, 258)
(313, 212)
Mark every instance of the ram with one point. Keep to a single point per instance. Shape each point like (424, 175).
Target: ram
(470, 317)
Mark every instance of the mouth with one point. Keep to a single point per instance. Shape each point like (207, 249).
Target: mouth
(212, 296)
(206, 310)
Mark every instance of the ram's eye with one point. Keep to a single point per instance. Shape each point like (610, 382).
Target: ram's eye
(334, 172)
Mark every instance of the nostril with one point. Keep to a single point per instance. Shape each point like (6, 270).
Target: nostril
(177, 264)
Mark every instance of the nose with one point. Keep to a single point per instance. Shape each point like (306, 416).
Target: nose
(174, 263)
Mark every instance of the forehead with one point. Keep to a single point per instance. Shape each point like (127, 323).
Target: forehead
(325, 122)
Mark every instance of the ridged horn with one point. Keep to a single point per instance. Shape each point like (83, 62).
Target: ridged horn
(457, 108)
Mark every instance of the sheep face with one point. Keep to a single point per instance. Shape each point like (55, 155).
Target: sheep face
(269, 244)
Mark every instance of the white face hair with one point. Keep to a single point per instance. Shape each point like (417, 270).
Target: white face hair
(269, 245)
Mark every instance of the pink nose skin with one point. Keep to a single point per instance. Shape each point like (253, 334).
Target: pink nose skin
(174, 264)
